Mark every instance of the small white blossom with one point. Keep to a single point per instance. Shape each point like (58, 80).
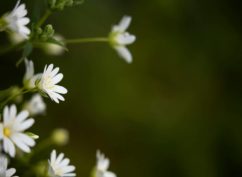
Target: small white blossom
(54, 49)
(120, 38)
(4, 171)
(12, 130)
(30, 78)
(102, 166)
(35, 105)
(59, 166)
(16, 20)
(48, 81)
(15, 38)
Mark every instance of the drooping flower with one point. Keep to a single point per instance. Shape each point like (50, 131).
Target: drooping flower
(4, 171)
(30, 78)
(12, 130)
(16, 20)
(48, 81)
(35, 105)
(120, 38)
(102, 166)
(59, 166)
(54, 49)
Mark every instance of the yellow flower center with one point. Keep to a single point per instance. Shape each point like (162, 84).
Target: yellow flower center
(7, 132)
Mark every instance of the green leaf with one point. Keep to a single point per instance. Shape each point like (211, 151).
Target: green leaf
(28, 48)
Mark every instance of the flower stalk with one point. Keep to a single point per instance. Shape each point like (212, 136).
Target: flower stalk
(86, 40)
(46, 15)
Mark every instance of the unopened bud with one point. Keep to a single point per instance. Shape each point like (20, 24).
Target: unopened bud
(60, 136)
(32, 135)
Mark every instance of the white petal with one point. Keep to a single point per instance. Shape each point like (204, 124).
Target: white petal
(8, 147)
(124, 53)
(5, 114)
(10, 172)
(57, 78)
(125, 39)
(60, 89)
(54, 72)
(1, 131)
(22, 116)
(24, 125)
(109, 174)
(20, 144)
(124, 23)
(68, 169)
(53, 156)
(26, 139)
(13, 112)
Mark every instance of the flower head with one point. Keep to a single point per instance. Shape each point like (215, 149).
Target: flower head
(4, 171)
(102, 166)
(12, 130)
(16, 20)
(35, 105)
(120, 38)
(48, 81)
(59, 166)
(30, 78)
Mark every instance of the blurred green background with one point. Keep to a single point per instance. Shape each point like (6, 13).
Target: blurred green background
(176, 111)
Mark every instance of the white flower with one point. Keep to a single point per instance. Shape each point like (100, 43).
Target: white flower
(30, 78)
(102, 166)
(36, 105)
(119, 38)
(16, 20)
(54, 49)
(4, 171)
(12, 130)
(48, 81)
(59, 166)
(15, 38)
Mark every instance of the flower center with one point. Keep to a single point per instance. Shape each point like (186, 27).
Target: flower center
(7, 132)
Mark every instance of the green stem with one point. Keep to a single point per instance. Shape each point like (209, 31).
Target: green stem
(86, 40)
(44, 18)
(12, 47)
(20, 92)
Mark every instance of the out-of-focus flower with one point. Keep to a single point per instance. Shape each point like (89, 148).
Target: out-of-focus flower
(120, 38)
(54, 49)
(30, 78)
(60, 136)
(12, 130)
(102, 166)
(59, 166)
(48, 81)
(4, 171)
(35, 105)
(16, 20)
(15, 38)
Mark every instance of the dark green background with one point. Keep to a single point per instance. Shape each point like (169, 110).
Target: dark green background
(175, 111)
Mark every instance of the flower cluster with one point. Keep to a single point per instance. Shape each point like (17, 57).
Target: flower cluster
(15, 138)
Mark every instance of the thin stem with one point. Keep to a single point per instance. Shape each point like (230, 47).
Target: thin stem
(20, 92)
(12, 47)
(86, 40)
(43, 18)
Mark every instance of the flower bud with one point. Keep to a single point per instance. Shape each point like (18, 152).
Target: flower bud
(60, 136)
(32, 135)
